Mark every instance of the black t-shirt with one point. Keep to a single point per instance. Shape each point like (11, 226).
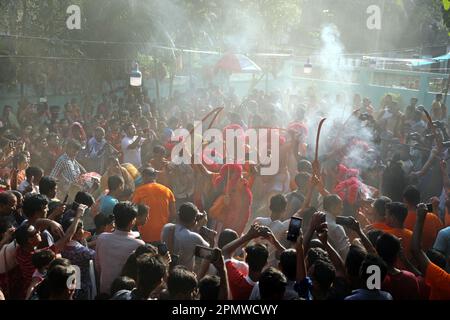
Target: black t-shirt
(340, 289)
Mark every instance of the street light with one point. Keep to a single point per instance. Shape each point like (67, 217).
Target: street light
(135, 76)
(307, 68)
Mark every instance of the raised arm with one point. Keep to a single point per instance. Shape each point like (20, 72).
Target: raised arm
(61, 243)
(335, 258)
(301, 267)
(416, 243)
(230, 248)
(307, 202)
(219, 264)
(318, 183)
(135, 143)
(268, 234)
(407, 263)
(316, 223)
(427, 165)
(355, 226)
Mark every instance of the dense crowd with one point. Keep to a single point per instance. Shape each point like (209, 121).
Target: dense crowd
(94, 203)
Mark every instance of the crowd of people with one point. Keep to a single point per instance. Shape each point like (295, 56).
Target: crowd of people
(95, 205)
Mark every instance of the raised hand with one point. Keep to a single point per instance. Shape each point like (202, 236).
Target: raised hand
(318, 221)
(421, 211)
(253, 232)
(219, 263)
(435, 201)
(265, 232)
(80, 210)
(354, 225)
(323, 236)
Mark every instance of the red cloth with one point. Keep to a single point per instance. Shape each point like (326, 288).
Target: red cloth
(348, 190)
(81, 137)
(402, 286)
(236, 213)
(10, 283)
(235, 172)
(27, 268)
(240, 286)
(344, 173)
(349, 187)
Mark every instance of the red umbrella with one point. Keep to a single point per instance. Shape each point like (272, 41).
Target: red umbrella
(237, 63)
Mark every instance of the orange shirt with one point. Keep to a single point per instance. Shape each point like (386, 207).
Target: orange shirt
(157, 197)
(439, 281)
(404, 234)
(379, 226)
(430, 229)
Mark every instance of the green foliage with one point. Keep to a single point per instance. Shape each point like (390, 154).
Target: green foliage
(220, 25)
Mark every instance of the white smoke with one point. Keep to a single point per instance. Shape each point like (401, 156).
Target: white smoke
(341, 129)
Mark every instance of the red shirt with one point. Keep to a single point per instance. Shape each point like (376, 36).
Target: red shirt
(402, 286)
(240, 286)
(27, 268)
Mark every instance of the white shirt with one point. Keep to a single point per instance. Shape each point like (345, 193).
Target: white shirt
(132, 156)
(279, 229)
(184, 243)
(112, 251)
(337, 236)
(25, 184)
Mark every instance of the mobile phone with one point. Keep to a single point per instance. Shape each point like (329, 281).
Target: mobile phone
(205, 253)
(162, 249)
(294, 229)
(344, 221)
(429, 207)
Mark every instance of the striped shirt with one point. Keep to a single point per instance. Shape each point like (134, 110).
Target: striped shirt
(68, 169)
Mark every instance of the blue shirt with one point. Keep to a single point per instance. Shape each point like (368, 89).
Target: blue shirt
(364, 294)
(304, 288)
(107, 204)
(442, 243)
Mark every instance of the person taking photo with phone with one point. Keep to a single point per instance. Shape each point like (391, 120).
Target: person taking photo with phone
(333, 207)
(278, 204)
(181, 237)
(241, 285)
